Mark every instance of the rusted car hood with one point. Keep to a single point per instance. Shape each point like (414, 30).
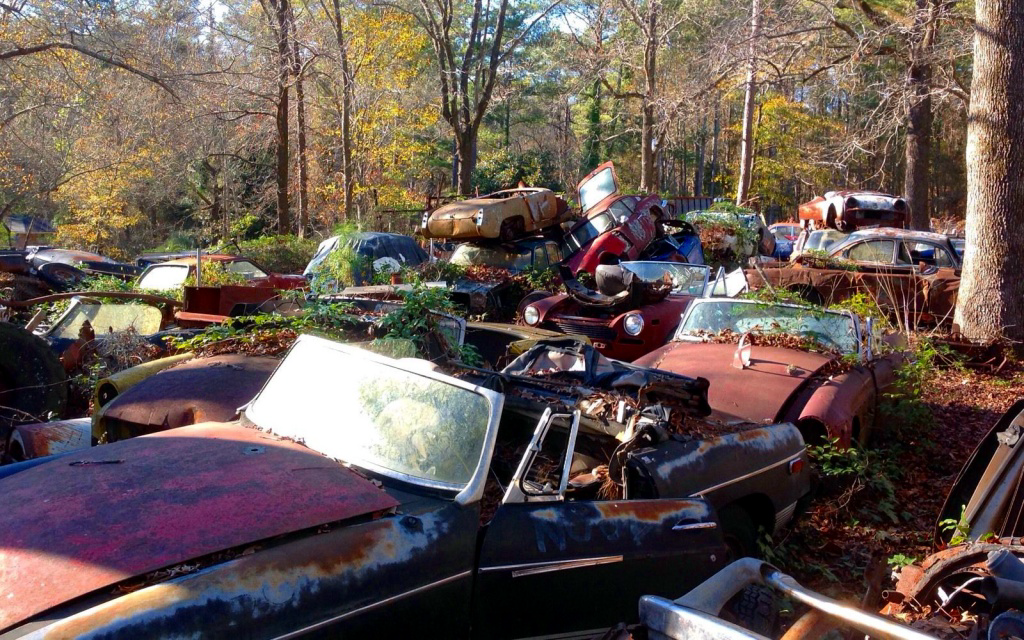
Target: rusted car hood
(758, 393)
(79, 524)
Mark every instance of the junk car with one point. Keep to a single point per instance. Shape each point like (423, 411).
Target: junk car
(780, 362)
(635, 308)
(910, 274)
(506, 215)
(363, 494)
(372, 245)
(847, 210)
(172, 274)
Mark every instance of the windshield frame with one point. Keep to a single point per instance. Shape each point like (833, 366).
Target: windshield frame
(166, 267)
(472, 491)
(678, 335)
(706, 268)
(573, 242)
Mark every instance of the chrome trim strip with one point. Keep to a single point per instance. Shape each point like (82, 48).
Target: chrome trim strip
(784, 515)
(746, 476)
(695, 525)
(379, 603)
(532, 568)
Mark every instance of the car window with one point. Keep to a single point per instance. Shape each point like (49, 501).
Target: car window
(872, 251)
(247, 269)
(163, 276)
(589, 229)
(467, 255)
(554, 252)
(540, 258)
(620, 210)
(108, 318)
(597, 188)
(930, 254)
(375, 414)
(688, 279)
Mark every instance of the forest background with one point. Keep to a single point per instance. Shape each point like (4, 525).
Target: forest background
(134, 124)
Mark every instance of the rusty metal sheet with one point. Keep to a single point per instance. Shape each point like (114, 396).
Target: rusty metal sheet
(82, 523)
(47, 438)
(757, 393)
(200, 390)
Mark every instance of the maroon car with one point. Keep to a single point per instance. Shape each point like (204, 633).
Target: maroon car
(173, 273)
(635, 309)
(780, 363)
(612, 225)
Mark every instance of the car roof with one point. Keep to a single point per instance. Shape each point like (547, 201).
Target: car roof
(906, 234)
(212, 257)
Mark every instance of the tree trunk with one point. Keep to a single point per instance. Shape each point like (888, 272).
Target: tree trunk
(698, 175)
(917, 166)
(648, 138)
(713, 189)
(284, 219)
(747, 136)
(592, 145)
(300, 124)
(346, 113)
(465, 151)
(991, 297)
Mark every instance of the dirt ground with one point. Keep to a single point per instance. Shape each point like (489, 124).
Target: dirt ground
(860, 526)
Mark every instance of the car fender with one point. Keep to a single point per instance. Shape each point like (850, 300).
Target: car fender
(839, 400)
(43, 439)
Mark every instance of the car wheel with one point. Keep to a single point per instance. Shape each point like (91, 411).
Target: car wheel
(739, 531)
(755, 609)
(61, 276)
(512, 229)
(33, 383)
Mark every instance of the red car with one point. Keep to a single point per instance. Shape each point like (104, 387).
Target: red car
(612, 224)
(173, 273)
(772, 363)
(635, 309)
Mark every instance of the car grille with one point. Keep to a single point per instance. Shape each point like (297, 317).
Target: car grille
(594, 329)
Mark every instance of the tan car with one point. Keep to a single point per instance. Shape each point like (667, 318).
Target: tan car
(505, 215)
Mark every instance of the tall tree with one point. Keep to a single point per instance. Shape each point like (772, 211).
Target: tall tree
(991, 298)
(469, 49)
(750, 89)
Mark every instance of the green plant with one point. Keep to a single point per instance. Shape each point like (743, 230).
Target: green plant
(959, 527)
(281, 254)
(214, 274)
(900, 560)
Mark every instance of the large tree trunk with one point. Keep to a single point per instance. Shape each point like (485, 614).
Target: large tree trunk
(284, 219)
(465, 151)
(917, 166)
(991, 298)
(747, 136)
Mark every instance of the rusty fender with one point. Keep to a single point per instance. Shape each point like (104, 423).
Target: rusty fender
(731, 466)
(326, 579)
(836, 401)
(47, 438)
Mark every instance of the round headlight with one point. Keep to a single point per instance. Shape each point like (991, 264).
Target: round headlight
(633, 324)
(531, 315)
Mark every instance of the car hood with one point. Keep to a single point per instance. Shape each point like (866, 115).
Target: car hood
(758, 393)
(83, 523)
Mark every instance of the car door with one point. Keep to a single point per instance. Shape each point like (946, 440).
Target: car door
(551, 564)
(883, 270)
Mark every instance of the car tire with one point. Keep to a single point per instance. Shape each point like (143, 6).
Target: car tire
(33, 383)
(739, 531)
(61, 276)
(755, 609)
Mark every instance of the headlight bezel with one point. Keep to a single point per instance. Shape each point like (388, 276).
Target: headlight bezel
(531, 312)
(634, 320)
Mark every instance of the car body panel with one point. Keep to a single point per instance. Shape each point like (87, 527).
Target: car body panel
(101, 526)
(42, 439)
(483, 217)
(200, 390)
(754, 394)
(987, 494)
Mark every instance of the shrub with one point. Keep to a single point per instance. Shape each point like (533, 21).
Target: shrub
(281, 254)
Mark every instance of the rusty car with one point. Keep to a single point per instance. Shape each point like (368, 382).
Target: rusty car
(770, 362)
(172, 274)
(635, 308)
(503, 215)
(363, 494)
(912, 275)
(848, 210)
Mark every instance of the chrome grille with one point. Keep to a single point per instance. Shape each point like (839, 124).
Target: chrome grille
(593, 330)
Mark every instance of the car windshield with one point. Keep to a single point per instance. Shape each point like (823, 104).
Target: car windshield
(707, 318)
(589, 229)
(686, 279)
(371, 412)
(163, 276)
(107, 318)
(597, 188)
(245, 268)
(497, 256)
(959, 244)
